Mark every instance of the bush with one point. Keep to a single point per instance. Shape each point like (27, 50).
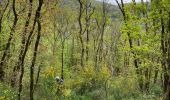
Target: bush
(7, 93)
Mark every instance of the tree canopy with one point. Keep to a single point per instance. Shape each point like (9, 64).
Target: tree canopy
(84, 50)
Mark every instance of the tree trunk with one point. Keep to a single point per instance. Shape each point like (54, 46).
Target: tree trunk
(35, 51)
(167, 85)
(81, 32)
(37, 15)
(62, 59)
(19, 63)
(6, 51)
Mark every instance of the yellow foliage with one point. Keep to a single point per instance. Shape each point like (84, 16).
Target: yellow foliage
(67, 92)
(105, 72)
(2, 98)
(49, 72)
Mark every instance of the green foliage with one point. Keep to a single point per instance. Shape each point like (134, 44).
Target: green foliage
(117, 60)
(7, 93)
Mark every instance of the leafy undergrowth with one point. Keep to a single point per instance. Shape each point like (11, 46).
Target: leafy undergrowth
(7, 93)
(87, 85)
(90, 85)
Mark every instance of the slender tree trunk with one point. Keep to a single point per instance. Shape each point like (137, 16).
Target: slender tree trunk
(81, 32)
(99, 51)
(167, 76)
(164, 52)
(87, 32)
(33, 61)
(89, 13)
(37, 15)
(102, 30)
(62, 59)
(35, 52)
(37, 77)
(6, 51)
(19, 63)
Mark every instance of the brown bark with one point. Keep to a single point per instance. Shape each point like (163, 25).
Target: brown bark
(20, 63)
(28, 41)
(81, 31)
(37, 77)
(7, 48)
(35, 51)
(33, 61)
(89, 13)
(164, 52)
(101, 27)
(87, 32)
(62, 59)
(167, 85)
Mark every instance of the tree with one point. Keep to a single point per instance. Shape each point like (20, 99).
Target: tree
(6, 51)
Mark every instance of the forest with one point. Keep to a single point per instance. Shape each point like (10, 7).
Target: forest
(84, 50)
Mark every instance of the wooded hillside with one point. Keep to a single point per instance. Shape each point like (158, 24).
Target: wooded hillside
(84, 50)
